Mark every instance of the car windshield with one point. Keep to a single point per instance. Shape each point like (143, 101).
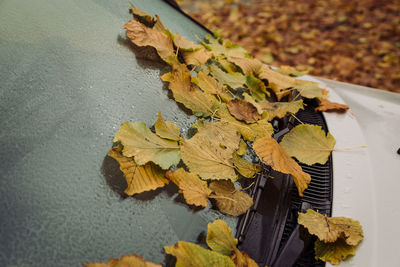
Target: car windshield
(68, 80)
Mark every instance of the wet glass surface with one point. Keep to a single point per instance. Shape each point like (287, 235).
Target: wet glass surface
(68, 79)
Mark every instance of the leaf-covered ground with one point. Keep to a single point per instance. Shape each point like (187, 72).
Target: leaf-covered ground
(346, 40)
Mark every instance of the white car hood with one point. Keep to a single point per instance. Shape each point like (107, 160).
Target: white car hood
(366, 180)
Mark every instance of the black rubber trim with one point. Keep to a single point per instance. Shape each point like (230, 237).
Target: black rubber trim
(173, 4)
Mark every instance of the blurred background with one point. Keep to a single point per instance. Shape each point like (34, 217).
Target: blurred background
(346, 40)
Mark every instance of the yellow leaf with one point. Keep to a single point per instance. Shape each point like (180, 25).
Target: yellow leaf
(271, 153)
(209, 152)
(276, 81)
(308, 143)
(194, 190)
(290, 71)
(145, 146)
(245, 168)
(242, 259)
(139, 178)
(210, 85)
(327, 105)
(142, 16)
(233, 80)
(229, 200)
(242, 148)
(201, 103)
(276, 109)
(333, 252)
(248, 65)
(330, 229)
(256, 87)
(141, 35)
(250, 132)
(184, 44)
(220, 239)
(220, 47)
(196, 58)
(243, 110)
(126, 261)
(192, 255)
(166, 129)
(308, 89)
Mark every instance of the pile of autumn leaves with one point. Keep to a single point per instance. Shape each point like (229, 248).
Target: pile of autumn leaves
(231, 94)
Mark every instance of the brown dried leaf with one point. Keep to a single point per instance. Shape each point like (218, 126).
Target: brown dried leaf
(210, 85)
(243, 110)
(329, 229)
(196, 58)
(139, 178)
(271, 153)
(329, 106)
(276, 109)
(141, 35)
(250, 132)
(190, 95)
(229, 200)
(276, 81)
(195, 191)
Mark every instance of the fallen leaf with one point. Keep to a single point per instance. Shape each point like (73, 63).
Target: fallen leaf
(308, 89)
(166, 129)
(126, 261)
(195, 191)
(242, 148)
(243, 110)
(202, 104)
(226, 64)
(220, 47)
(220, 239)
(325, 93)
(308, 143)
(209, 152)
(250, 132)
(256, 87)
(250, 66)
(139, 178)
(276, 109)
(233, 80)
(158, 25)
(290, 71)
(192, 255)
(329, 229)
(333, 252)
(142, 35)
(229, 200)
(145, 146)
(327, 105)
(276, 81)
(244, 167)
(196, 58)
(142, 16)
(210, 85)
(184, 44)
(242, 259)
(272, 154)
